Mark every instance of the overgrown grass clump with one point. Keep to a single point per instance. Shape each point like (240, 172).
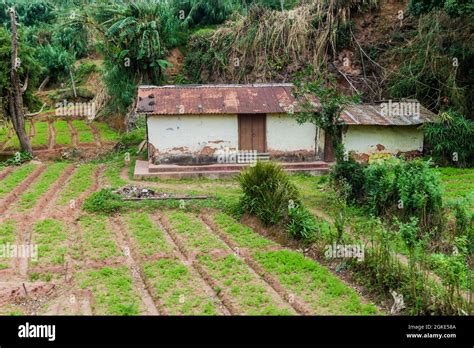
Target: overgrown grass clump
(269, 194)
(393, 187)
(103, 201)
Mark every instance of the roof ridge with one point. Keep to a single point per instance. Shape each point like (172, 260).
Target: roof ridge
(257, 85)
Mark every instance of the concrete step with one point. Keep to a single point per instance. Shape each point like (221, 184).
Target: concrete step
(170, 168)
(143, 170)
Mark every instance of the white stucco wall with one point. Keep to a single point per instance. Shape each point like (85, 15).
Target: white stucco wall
(394, 139)
(193, 133)
(285, 134)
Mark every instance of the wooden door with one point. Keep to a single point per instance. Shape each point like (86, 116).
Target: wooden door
(328, 148)
(252, 132)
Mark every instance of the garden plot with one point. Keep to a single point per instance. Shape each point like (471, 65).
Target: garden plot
(178, 288)
(112, 290)
(81, 181)
(40, 140)
(83, 131)
(7, 237)
(15, 178)
(243, 291)
(96, 243)
(301, 278)
(51, 238)
(40, 187)
(174, 262)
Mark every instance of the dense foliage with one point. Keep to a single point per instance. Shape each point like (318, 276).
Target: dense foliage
(394, 188)
(451, 139)
(269, 195)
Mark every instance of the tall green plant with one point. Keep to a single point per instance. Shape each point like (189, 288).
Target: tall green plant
(450, 139)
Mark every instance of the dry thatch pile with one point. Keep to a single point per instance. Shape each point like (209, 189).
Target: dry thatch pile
(267, 45)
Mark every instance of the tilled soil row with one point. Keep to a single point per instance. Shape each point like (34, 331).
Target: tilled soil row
(298, 305)
(12, 196)
(226, 306)
(48, 197)
(5, 172)
(152, 306)
(75, 140)
(88, 265)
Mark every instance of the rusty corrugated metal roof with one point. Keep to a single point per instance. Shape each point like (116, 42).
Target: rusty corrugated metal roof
(263, 99)
(216, 99)
(387, 113)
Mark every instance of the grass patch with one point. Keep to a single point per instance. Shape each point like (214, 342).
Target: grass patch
(80, 181)
(63, 133)
(196, 235)
(178, 289)
(112, 174)
(458, 183)
(248, 292)
(41, 137)
(15, 178)
(107, 134)
(84, 132)
(28, 199)
(51, 237)
(97, 239)
(113, 291)
(148, 236)
(242, 235)
(14, 142)
(4, 134)
(7, 236)
(315, 284)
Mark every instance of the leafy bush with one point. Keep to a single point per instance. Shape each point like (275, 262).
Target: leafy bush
(451, 139)
(351, 172)
(18, 159)
(418, 188)
(402, 188)
(267, 192)
(56, 60)
(104, 201)
(302, 224)
(379, 186)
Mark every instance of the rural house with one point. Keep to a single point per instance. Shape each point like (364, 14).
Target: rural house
(211, 129)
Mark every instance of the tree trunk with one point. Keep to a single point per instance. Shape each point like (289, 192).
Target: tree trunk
(16, 98)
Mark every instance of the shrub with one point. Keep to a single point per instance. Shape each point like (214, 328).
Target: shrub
(302, 224)
(18, 159)
(104, 201)
(451, 139)
(379, 186)
(267, 192)
(350, 172)
(418, 190)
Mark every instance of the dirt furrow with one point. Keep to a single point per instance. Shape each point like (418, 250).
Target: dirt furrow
(71, 212)
(12, 196)
(44, 202)
(51, 135)
(75, 141)
(5, 172)
(96, 134)
(149, 303)
(297, 304)
(225, 305)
